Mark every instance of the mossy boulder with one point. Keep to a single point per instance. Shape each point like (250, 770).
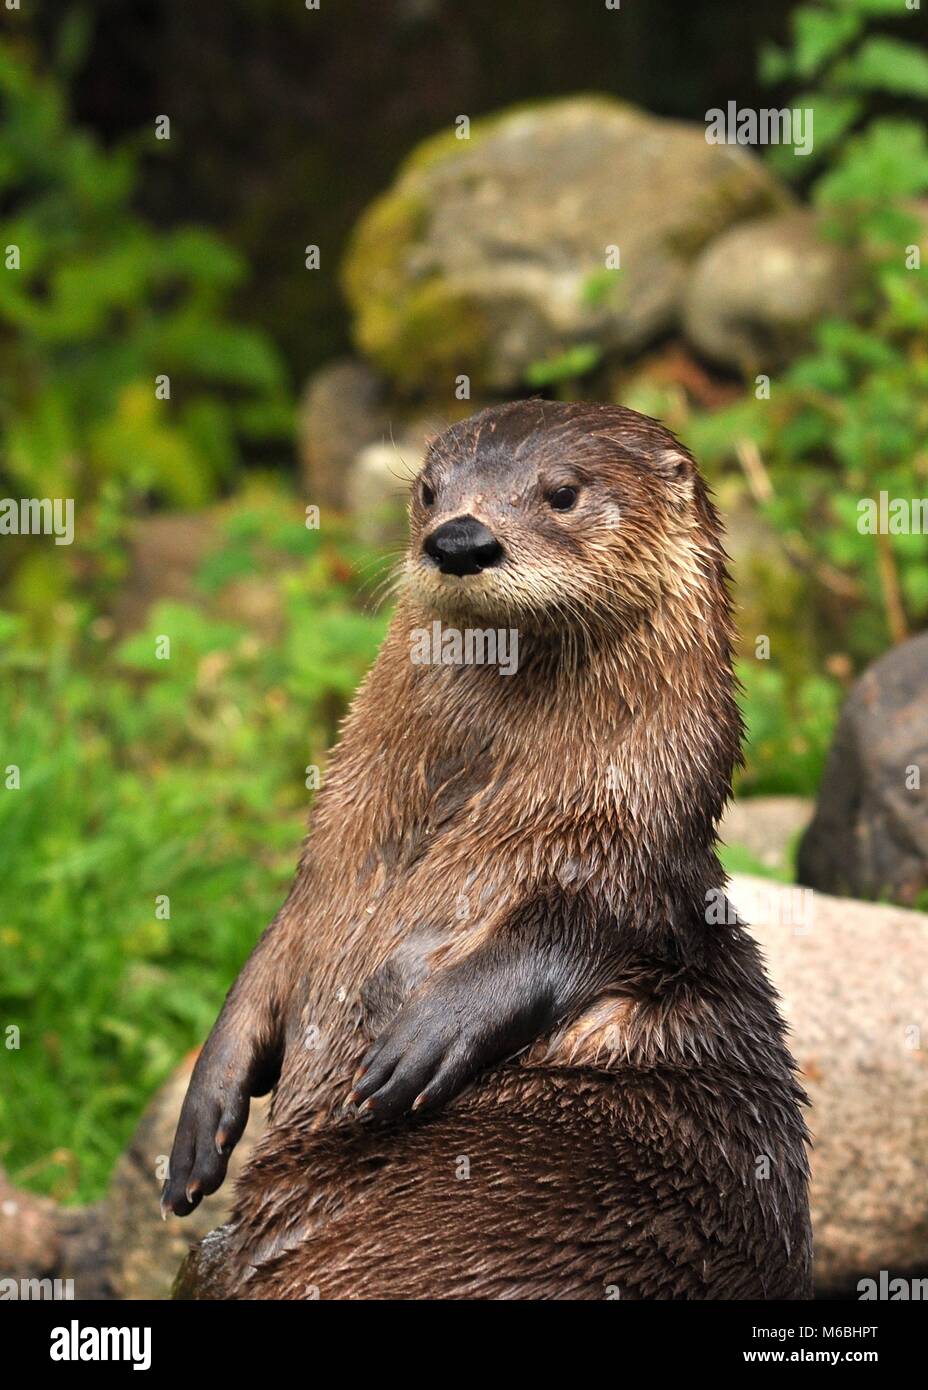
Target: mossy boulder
(493, 253)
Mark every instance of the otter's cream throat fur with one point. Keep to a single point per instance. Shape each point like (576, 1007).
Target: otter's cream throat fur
(571, 1080)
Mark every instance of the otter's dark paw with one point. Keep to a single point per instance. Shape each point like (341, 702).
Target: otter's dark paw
(478, 1012)
(423, 1058)
(212, 1121)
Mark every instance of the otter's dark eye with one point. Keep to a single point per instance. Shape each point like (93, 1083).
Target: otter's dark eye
(428, 496)
(563, 499)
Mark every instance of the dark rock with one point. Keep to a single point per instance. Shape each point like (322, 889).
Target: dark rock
(65, 1249)
(30, 1243)
(869, 836)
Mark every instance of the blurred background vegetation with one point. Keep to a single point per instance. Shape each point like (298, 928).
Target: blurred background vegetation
(138, 257)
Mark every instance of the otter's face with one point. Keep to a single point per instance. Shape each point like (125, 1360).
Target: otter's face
(543, 513)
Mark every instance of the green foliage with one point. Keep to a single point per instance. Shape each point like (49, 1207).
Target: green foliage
(849, 418)
(143, 777)
(100, 305)
(819, 35)
(601, 287)
(887, 65)
(574, 362)
(789, 727)
(738, 860)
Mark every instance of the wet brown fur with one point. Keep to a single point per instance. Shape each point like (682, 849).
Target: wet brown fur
(621, 1152)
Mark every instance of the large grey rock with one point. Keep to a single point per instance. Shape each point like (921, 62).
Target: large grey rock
(488, 254)
(759, 289)
(853, 979)
(869, 837)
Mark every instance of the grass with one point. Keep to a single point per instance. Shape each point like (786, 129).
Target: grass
(145, 780)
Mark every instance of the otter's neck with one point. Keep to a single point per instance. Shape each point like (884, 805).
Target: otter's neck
(672, 734)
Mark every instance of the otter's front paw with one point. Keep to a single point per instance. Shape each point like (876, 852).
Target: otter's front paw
(478, 1012)
(212, 1120)
(423, 1058)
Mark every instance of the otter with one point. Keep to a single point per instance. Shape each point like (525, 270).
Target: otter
(514, 1052)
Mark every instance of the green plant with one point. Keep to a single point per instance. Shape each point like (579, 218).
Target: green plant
(567, 366)
(122, 375)
(789, 724)
(848, 420)
(144, 780)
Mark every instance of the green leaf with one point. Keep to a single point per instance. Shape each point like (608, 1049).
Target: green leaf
(820, 34)
(892, 9)
(575, 362)
(832, 118)
(599, 288)
(887, 65)
(888, 162)
(714, 434)
(200, 257)
(915, 588)
(11, 627)
(218, 351)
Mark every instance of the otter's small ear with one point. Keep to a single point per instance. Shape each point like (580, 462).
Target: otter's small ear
(672, 464)
(675, 468)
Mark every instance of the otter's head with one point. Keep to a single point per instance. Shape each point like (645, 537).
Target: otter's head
(549, 514)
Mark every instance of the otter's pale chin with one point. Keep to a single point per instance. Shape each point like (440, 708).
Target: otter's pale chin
(471, 596)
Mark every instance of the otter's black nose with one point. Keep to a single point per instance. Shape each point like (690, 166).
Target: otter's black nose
(463, 546)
